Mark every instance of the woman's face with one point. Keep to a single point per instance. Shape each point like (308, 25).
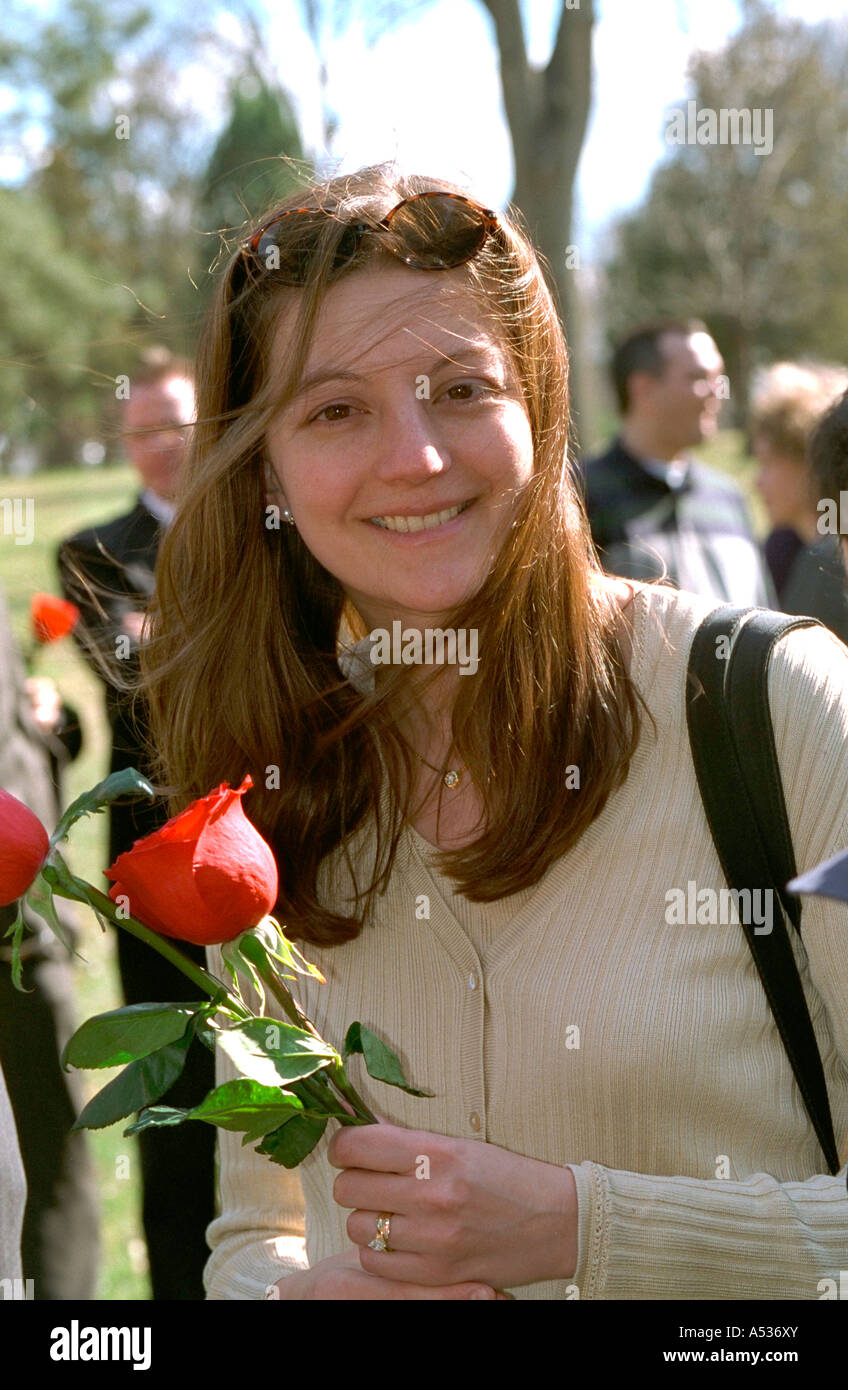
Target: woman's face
(785, 487)
(403, 455)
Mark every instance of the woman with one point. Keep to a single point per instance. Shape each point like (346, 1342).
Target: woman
(478, 861)
(788, 401)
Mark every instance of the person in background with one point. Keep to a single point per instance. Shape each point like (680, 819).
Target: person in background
(652, 507)
(787, 401)
(108, 571)
(59, 1249)
(828, 451)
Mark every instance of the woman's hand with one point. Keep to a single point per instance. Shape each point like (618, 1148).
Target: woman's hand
(461, 1210)
(342, 1277)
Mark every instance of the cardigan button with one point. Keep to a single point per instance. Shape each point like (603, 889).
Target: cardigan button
(474, 1121)
(472, 980)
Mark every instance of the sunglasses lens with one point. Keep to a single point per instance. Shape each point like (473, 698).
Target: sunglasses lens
(288, 245)
(435, 231)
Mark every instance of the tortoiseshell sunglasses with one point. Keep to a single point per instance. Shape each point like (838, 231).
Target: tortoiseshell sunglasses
(429, 231)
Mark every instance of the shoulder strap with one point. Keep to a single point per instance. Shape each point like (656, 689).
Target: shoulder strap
(738, 775)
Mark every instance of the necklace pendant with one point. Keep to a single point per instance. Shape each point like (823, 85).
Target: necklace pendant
(452, 779)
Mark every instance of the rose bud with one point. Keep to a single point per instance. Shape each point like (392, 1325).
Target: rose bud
(23, 848)
(51, 617)
(205, 877)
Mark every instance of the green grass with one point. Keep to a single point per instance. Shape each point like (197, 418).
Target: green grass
(65, 502)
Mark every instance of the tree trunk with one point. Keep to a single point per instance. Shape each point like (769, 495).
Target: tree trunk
(547, 112)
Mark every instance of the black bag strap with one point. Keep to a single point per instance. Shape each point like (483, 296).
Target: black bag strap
(738, 774)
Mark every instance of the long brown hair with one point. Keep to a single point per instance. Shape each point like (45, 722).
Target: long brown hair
(240, 671)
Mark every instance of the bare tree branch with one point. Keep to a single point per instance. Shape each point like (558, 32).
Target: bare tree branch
(568, 76)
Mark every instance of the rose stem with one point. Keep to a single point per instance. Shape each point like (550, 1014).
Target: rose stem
(215, 988)
(105, 906)
(339, 1079)
(320, 1097)
(335, 1073)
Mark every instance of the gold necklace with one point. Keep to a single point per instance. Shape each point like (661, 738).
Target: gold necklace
(451, 777)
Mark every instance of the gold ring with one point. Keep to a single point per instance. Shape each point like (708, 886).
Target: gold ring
(384, 1230)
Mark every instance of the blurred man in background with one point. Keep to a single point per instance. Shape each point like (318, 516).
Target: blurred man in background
(108, 571)
(59, 1248)
(651, 506)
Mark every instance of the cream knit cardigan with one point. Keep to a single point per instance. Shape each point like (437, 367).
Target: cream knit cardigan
(698, 1173)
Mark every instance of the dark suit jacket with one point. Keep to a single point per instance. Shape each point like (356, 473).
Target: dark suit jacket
(108, 571)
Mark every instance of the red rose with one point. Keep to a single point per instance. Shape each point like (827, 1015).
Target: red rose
(52, 617)
(23, 847)
(205, 877)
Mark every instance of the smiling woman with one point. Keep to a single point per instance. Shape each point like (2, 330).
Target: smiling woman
(357, 395)
(481, 865)
(404, 495)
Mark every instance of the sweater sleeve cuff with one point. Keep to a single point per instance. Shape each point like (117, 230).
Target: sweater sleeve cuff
(592, 1229)
(247, 1272)
(649, 1237)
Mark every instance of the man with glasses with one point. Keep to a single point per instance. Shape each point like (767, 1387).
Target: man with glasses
(650, 505)
(108, 571)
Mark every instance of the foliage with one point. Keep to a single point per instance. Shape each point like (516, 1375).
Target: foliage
(99, 248)
(247, 172)
(753, 243)
(52, 300)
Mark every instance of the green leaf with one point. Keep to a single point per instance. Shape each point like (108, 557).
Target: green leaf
(124, 1035)
(235, 961)
(16, 931)
(246, 1105)
(291, 1143)
(127, 782)
(40, 898)
(157, 1116)
(380, 1061)
(200, 1024)
(160, 1116)
(263, 950)
(140, 1083)
(207, 1036)
(265, 941)
(268, 1051)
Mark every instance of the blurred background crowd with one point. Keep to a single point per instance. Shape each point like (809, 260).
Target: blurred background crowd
(704, 289)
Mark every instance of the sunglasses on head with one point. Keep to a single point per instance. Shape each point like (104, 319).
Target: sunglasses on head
(429, 231)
